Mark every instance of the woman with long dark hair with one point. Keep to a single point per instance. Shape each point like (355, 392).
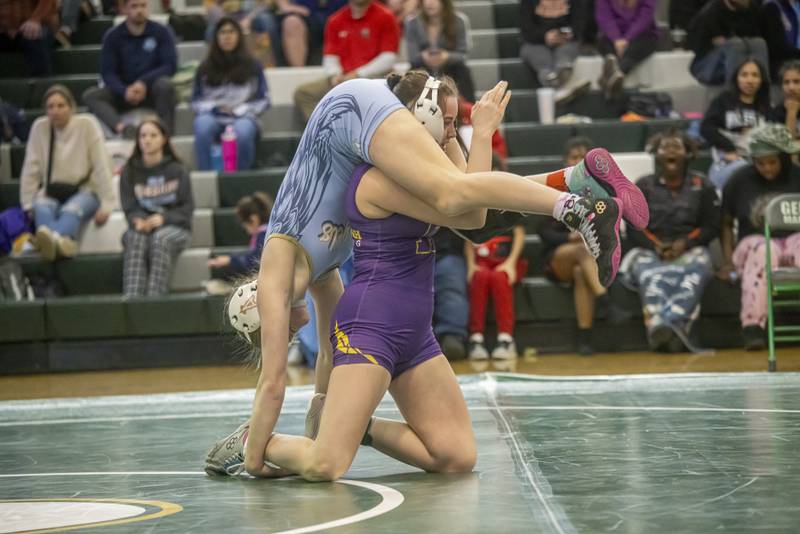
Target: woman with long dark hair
(229, 90)
(156, 195)
(437, 40)
(731, 115)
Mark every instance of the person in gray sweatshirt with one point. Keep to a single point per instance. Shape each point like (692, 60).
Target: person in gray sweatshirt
(156, 195)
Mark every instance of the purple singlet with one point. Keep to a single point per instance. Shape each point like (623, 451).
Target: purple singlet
(385, 314)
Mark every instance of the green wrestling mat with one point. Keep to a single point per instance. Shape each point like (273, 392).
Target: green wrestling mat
(657, 453)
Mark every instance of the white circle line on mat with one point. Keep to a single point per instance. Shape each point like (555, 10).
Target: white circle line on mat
(390, 497)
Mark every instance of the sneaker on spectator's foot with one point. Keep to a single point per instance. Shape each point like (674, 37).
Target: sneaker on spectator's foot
(226, 457)
(598, 176)
(571, 91)
(506, 349)
(613, 87)
(584, 340)
(610, 65)
(295, 355)
(452, 347)
(598, 223)
(564, 76)
(66, 247)
(314, 415)
(476, 350)
(659, 337)
(551, 79)
(46, 243)
(64, 38)
(754, 338)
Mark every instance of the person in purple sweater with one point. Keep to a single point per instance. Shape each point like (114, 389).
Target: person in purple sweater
(628, 37)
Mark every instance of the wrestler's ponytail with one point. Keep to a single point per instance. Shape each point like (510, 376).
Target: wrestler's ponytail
(410, 85)
(393, 79)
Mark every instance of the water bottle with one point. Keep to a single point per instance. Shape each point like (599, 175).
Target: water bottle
(228, 141)
(216, 157)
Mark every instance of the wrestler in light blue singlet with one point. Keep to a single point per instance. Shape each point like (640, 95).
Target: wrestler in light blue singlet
(310, 205)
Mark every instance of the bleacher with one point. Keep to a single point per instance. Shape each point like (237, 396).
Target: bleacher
(182, 328)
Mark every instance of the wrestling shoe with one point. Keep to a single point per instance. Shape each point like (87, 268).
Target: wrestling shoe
(598, 223)
(498, 222)
(314, 415)
(598, 176)
(226, 457)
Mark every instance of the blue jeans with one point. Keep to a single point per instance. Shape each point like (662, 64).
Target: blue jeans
(65, 219)
(309, 342)
(719, 64)
(451, 308)
(208, 128)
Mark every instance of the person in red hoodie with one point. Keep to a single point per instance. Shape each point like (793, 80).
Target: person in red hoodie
(361, 41)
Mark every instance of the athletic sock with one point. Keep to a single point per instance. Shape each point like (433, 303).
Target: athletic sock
(560, 179)
(566, 202)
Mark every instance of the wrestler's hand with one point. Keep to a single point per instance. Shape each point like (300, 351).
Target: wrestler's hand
(488, 112)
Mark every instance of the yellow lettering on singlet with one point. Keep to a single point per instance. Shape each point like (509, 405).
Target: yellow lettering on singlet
(343, 345)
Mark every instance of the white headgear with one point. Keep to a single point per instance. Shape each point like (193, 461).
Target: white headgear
(428, 111)
(243, 309)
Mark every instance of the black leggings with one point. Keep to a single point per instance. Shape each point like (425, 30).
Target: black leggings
(639, 49)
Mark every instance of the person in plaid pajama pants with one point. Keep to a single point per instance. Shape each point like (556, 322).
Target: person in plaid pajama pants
(156, 196)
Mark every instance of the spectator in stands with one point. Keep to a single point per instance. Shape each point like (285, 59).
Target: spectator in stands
(731, 115)
(137, 60)
(551, 31)
(229, 90)
(568, 261)
(66, 176)
(361, 41)
(259, 23)
(781, 30)
(27, 26)
(493, 268)
(71, 11)
(681, 14)
(788, 110)
(302, 24)
(437, 40)
(156, 195)
(628, 37)
(450, 299)
(721, 36)
(252, 15)
(743, 200)
(670, 264)
(403, 9)
(253, 213)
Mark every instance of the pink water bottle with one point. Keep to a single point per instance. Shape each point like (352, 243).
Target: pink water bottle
(228, 142)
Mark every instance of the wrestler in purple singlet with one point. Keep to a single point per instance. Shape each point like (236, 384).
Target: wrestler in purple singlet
(385, 314)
